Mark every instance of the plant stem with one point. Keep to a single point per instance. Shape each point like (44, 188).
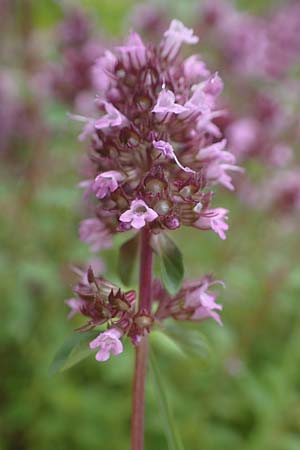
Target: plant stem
(141, 352)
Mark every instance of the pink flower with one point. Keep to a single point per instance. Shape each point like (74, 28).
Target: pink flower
(194, 69)
(107, 182)
(88, 128)
(203, 303)
(113, 118)
(199, 102)
(134, 53)
(166, 103)
(214, 85)
(213, 219)
(138, 214)
(175, 36)
(242, 135)
(169, 152)
(94, 232)
(75, 304)
(108, 342)
(218, 161)
(102, 69)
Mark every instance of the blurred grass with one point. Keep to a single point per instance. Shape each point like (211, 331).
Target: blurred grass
(248, 398)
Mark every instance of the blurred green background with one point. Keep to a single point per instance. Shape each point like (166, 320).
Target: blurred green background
(246, 397)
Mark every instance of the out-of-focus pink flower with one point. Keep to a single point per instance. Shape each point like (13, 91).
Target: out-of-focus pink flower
(175, 36)
(281, 155)
(166, 103)
(138, 214)
(93, 232)
(101, 70)
(195, 69)
(242, 135)
(213, 219)
(108, 342)
(214, 85)
(107, 182)
(75, 304)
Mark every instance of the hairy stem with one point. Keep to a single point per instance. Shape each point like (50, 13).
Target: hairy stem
(141, 352)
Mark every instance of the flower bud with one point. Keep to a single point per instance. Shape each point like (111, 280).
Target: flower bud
(162, 207)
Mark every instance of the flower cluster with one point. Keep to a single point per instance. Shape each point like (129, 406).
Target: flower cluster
(261, 46)
(155, 155)
(155, 150)
(104, 303)
(195, 301)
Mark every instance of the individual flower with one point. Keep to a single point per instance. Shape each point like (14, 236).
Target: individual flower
(202, 301)
(175, 36)
(213, 219)
(218, 161)
(134, 52)
(100, 70)
(166, 103)
(169, 152)
(107, 182)
(76, 305)
(195, 69)
(138, 214)
(113, 118)
(107, 342)
(214, 85)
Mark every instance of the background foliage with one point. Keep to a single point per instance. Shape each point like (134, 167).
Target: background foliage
(246, 397)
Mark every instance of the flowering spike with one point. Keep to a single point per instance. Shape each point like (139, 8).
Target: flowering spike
(155, 106)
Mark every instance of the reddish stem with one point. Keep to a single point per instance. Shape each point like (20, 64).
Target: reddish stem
(141, 352)
(145, 271)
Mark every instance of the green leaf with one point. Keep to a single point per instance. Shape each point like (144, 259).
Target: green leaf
(173, 439)
(74, 349)
(171, 263)
(190, 343)
(127, 258)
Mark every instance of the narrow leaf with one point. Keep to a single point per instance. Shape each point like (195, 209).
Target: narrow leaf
(127, 258)
(171, 263)
(173, 439)
(74, 349)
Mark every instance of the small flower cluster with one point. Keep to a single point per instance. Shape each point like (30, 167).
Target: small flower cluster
(155, 154)
(261, 46)
(195, 301)
(103, 303)
(71, 81)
